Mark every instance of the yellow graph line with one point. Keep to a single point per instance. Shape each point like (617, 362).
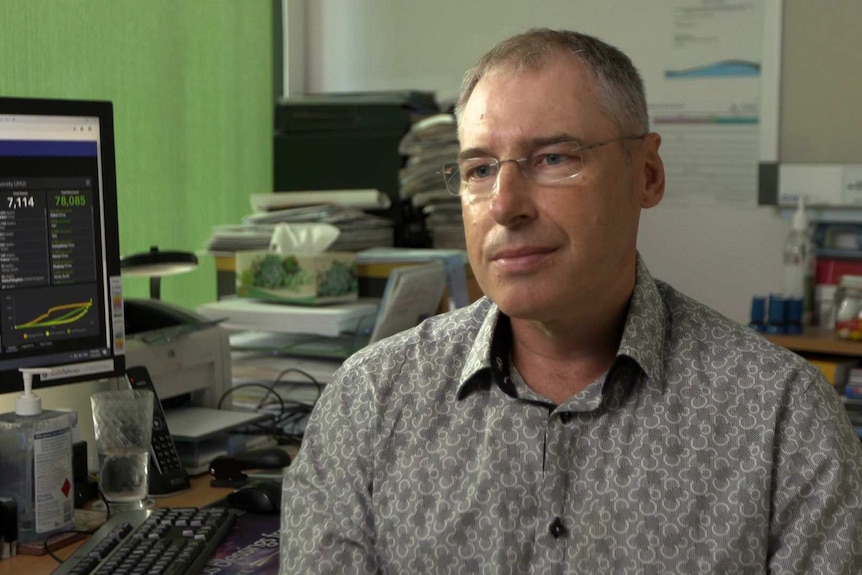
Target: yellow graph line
(77, 311)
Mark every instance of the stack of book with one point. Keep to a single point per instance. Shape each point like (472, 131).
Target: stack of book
(853, 388)
(428, 145)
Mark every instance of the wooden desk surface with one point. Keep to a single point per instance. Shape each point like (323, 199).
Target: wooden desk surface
(200, 494)
(818, 340)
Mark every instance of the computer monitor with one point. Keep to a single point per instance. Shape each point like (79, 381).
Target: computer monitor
(61, 300)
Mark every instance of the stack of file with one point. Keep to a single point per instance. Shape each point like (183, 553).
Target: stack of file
(428, 145)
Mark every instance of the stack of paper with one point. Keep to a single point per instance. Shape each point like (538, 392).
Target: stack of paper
(329, 320)
(357, 230)
(429, 144)
(365, 199)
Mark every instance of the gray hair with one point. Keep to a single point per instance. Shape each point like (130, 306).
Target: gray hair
(619, 87)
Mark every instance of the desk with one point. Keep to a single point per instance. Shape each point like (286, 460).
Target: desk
(201, 494)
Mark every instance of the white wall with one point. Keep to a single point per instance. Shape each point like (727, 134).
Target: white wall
(719, 255)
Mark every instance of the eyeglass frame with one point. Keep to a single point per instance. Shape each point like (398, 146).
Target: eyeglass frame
(448, 174)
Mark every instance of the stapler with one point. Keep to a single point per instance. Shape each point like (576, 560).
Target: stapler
(227, 470)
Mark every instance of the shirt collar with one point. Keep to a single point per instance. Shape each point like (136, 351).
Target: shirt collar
(479, 357)
(644, 332)
(642, 340)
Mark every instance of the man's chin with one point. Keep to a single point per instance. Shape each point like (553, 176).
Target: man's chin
(526, 308)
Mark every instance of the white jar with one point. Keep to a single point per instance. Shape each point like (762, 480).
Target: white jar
(848, 308)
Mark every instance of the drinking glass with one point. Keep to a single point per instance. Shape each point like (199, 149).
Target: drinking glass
(123, 422)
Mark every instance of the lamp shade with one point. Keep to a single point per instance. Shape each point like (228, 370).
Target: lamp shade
(155, 264)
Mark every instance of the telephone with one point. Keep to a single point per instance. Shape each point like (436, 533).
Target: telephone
(166, 472)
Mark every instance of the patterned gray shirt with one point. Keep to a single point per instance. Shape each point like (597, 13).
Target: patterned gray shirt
(704, 449)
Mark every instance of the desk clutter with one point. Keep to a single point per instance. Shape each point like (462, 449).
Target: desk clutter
(243, 374)
(388, 149)
(283, 355)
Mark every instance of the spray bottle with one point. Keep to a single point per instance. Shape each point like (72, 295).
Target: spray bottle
(36, 470)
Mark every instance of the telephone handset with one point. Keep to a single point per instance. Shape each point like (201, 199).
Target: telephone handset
(166, 472)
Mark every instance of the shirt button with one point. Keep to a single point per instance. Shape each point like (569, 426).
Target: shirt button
(557, 529)
(566, 417)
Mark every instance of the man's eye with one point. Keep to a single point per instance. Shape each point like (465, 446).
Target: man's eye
(479, 172)
(556, 160)
(553, 159)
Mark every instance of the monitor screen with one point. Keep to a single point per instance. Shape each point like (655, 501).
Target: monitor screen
(61, 300)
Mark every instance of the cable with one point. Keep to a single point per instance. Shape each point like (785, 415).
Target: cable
(290, 412)
(268, 388)
(300, 372)
(47, 547)
(105, 501)
(304, 374)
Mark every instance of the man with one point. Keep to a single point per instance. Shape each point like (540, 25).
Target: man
(583, 417)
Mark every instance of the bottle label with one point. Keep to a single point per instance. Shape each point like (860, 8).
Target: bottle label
(52, 473)
(794, 281)
(849, 329)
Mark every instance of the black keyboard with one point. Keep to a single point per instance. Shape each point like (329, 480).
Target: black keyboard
(160, 541)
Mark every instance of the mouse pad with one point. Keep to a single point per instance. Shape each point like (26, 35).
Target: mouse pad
(251, 546)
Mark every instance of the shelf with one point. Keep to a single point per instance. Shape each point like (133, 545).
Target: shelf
(816, 340)
(851, 214)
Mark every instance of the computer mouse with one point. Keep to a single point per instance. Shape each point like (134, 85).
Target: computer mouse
(257, 497)
(227, 470)
(268, 458)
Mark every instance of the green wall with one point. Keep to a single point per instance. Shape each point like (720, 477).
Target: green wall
(191, 83)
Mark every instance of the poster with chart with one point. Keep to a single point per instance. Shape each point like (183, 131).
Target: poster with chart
(705, 103)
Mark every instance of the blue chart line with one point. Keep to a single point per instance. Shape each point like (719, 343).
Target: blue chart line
(725, 69)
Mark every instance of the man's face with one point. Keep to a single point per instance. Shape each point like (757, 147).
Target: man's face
(554, 253)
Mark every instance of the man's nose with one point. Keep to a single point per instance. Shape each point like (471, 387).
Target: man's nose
(511, 201)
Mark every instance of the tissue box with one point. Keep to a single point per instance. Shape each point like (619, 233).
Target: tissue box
(294, 278)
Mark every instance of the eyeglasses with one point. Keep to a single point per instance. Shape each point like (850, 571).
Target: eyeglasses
(549, 165)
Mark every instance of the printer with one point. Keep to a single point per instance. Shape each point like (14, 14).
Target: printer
(187, 355)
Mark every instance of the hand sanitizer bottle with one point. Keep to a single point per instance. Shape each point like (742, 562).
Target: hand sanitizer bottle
(799, 263)
(36, 470)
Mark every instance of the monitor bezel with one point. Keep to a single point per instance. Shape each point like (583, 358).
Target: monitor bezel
(11, 380)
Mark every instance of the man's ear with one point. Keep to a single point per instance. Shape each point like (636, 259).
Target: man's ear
(653, 172)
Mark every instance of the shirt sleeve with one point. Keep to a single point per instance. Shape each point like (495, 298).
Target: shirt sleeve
(816, 522)
(327, 523)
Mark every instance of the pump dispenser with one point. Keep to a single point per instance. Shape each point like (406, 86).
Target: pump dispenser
(799, 262)
(29, 403)
(36, 451)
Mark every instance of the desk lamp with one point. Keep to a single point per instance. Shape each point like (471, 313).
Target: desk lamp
(156, 264)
